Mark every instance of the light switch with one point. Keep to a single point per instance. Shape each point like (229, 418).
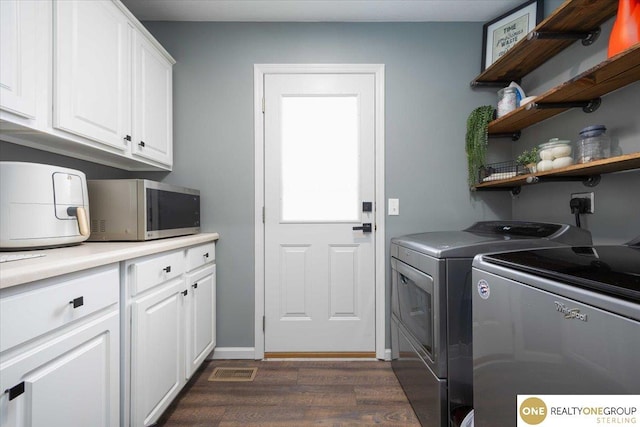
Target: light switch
(394, 207)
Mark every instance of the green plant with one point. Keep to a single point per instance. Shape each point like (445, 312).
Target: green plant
(476, 140)
(528, 157)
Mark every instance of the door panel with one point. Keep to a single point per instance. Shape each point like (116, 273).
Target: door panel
(92, 71)
(319, 168)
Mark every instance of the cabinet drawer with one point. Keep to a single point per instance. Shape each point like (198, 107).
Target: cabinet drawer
(49, 304)
(200, 255)
(152, 271)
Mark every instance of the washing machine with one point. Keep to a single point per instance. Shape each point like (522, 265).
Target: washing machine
(431, 330)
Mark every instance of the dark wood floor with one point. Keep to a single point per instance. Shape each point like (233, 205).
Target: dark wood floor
(294, 393)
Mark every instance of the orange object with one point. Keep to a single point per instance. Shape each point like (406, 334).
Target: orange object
(626, 29)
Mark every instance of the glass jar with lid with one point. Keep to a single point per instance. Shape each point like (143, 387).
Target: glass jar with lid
(507, 101)
(554, 154)
(593, 144)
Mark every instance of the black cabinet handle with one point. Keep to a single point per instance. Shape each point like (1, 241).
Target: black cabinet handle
(77, 302)
(15, 391)
(167, 269)
(206, 255)
(141, 143)
(185, 292)
(127, 138)
(194, 286)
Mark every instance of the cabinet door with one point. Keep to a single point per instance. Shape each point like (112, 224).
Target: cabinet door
(18, 54)
(72, 380)
(201, 318)
(152, 103)
(92, 90)
(157, 351)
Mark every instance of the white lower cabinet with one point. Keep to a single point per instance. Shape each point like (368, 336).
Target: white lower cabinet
(201, 318)
(66, 372)
(171, 329)
(157, 356)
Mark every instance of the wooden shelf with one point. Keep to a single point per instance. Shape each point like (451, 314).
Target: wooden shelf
(573, 16)
(581, 171)
(609, 75)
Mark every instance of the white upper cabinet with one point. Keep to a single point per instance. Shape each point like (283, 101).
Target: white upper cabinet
(85, 79)
(18, 56)
(92, 41)
(152, 103)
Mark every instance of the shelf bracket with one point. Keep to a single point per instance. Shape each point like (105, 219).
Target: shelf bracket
(587, 37)
(496, 83)
(587, 106)
(513, 135)
(515, 190)
(587, 181)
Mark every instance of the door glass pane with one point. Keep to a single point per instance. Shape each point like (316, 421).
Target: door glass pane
(320, 152)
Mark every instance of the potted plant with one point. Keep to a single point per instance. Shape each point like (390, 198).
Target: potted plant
(476, 140)
(528, 159)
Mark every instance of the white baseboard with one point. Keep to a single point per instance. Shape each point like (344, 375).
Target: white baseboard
(233, 353)
(248, 353)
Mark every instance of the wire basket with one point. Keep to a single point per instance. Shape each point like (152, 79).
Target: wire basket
(501, 170)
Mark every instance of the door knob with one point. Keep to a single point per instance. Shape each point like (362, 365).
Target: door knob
(366, 227)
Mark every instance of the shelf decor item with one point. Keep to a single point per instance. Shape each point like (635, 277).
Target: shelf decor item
(626, 28)
(477, 140)
(528, 159)
(502, 33)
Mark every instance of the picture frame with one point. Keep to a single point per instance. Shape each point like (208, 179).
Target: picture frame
(502, 33)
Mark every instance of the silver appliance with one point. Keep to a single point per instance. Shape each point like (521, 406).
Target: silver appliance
(42, 206)
(139, 209)
(431, 309)
(553, 322)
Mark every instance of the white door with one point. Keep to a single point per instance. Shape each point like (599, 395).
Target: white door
(18, 56)
(92, 68)
(157, 351)
(201, 318)
(319, 169)
(152, 103)
(45, 384)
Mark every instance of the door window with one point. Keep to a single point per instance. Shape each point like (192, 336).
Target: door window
(320, 159)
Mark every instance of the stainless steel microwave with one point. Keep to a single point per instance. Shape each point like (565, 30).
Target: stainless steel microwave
(140, 209)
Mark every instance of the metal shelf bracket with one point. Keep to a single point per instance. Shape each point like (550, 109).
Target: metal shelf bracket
(513, 135)
(515, 190)
(588, 180)
(587, 37)
(496, 83)
(587, 106)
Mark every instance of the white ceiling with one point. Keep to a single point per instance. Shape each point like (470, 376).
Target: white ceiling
(320, 10)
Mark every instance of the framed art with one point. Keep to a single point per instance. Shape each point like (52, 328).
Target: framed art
(502, 33)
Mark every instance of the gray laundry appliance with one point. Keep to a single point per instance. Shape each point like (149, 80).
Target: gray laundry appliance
(556, 321)
(431, 309)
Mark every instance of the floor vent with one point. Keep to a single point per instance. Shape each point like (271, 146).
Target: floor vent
(233, 374)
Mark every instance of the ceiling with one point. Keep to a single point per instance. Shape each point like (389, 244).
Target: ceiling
(320, 10)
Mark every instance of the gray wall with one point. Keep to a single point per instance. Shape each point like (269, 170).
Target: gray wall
(617, 197)
(428, 70)
(428, 67)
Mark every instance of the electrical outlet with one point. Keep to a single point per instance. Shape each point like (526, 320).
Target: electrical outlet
(592, 206)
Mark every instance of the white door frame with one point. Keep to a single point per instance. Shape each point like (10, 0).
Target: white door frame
(259, 71)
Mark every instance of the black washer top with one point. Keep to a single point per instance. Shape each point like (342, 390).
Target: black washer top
(611, 270)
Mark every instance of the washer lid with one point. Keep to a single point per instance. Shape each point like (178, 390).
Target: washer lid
(492, 236)
(611, 270)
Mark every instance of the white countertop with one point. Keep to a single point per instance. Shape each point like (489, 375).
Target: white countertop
(70, 259)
